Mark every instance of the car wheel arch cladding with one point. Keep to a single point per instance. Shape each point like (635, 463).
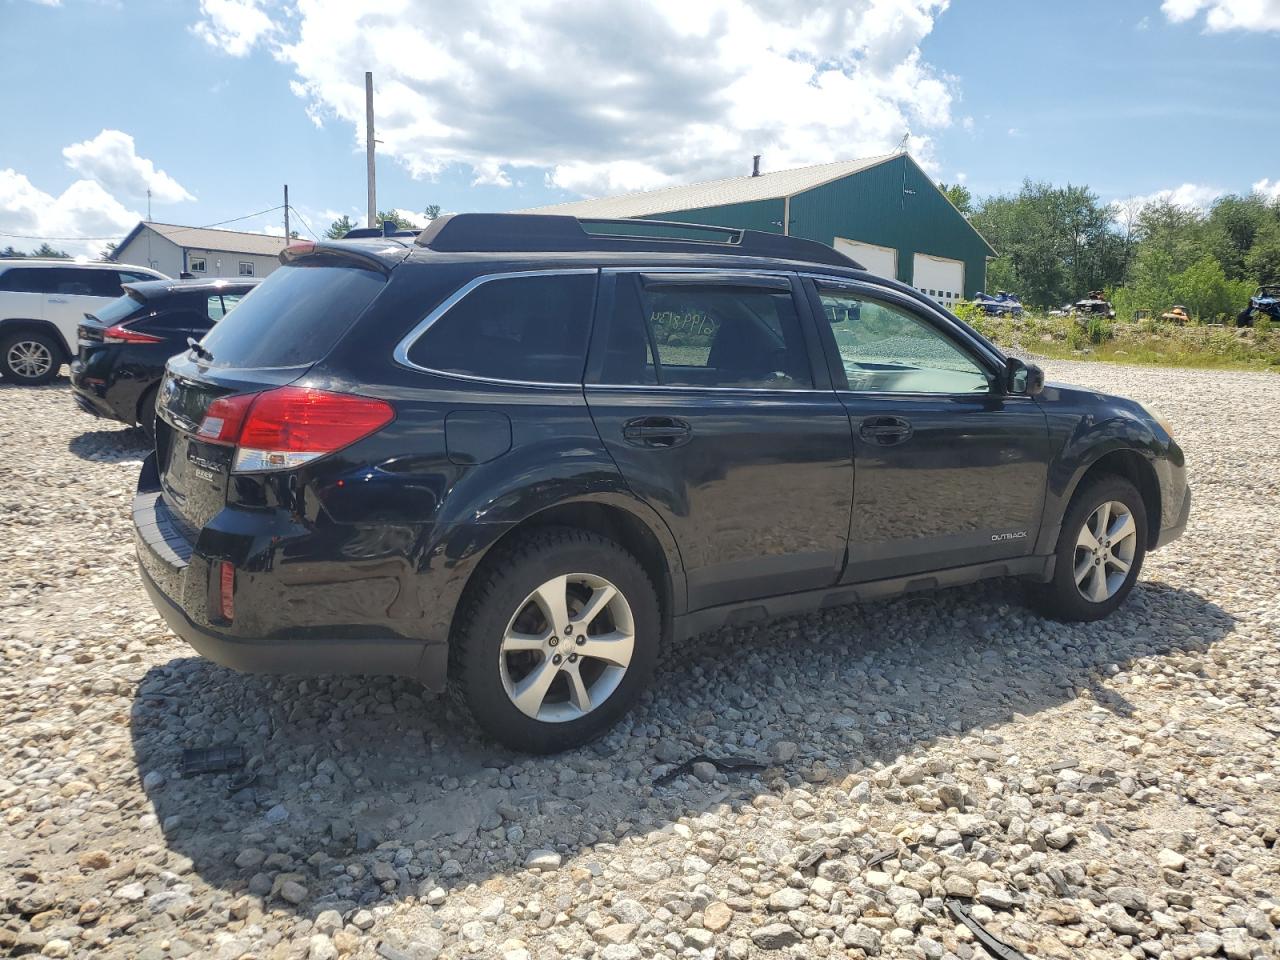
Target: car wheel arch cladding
(16, 324)
(1123, 459)
(618, 516)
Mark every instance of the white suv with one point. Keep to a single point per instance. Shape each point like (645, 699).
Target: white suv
(41, 304)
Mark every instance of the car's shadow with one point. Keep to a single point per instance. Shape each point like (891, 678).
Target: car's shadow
(120, 445)
(346, 764)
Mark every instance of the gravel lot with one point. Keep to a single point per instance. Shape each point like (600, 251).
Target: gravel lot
(1092, 791)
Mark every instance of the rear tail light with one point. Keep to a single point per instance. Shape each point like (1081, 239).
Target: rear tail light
(284, 428)
(121, 334)
(226, 589)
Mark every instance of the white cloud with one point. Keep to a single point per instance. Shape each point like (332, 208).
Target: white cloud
(84, 209)
(111, 159)
(601, 96)
(1199, 196)
(233, 26)
(1223, 15)
(1268, 188)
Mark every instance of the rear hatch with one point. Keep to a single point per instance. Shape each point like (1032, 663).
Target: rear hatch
(278, 332)
(119, 312)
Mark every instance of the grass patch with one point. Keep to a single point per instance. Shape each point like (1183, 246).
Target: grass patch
(1146, 342)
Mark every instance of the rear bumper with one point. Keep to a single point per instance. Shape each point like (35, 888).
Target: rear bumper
(283, 623)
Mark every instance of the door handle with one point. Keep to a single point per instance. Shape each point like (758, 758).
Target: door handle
(885, 431)
(657, 432)
(57, 299)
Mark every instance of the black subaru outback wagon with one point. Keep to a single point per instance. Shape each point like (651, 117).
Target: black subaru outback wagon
(516, 454)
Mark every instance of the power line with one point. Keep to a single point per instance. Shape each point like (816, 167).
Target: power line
(247, 216)
(303, 221)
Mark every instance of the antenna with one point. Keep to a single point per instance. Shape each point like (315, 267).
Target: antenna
(369, 146)
(148, 203)
(286, 214)
(902, 144)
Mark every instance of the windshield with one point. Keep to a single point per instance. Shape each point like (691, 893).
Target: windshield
(294, 317)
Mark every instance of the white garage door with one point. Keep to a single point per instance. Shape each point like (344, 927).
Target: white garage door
(882, 261)
(939, 278)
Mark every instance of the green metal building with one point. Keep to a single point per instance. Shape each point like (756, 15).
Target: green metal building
(885, 212)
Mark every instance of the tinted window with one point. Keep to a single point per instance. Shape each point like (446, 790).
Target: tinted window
(119, 310)
(126, 277)
(69, 282)
(521, 328)
(295, 317)
(709, 335)
(886, 349)
(27, 280)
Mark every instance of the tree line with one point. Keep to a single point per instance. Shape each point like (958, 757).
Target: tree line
(1057, 243)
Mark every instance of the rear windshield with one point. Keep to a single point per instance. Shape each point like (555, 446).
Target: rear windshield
(294, 317)
(118, 310)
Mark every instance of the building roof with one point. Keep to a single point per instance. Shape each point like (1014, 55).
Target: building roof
(207, 238)
(715, 193)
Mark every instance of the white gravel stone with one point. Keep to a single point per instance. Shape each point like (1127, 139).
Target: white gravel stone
(1099, 788)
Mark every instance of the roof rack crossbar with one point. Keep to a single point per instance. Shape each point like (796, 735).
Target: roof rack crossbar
(533, 233)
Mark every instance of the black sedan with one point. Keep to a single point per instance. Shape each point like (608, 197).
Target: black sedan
(123, 347)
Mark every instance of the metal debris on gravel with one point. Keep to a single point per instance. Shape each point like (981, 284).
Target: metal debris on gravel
(1088, 791)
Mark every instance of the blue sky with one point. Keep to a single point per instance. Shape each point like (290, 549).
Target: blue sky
(215, 104)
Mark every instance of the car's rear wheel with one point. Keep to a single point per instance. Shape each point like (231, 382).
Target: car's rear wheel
(147, 414)
(555, 640)
(29, 357)
(1100, 552)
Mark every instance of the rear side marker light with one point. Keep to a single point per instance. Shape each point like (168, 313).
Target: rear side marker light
(226, 589)
(284, 428)
(119, 334)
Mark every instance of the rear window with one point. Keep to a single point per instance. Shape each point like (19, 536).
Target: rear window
(295, 317)
(119, 310)
(531, 328)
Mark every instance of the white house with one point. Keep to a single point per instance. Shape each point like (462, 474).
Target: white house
(199, 251)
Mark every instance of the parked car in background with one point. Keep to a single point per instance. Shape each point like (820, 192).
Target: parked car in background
(1264, 303)
(1177, 314)
(42, 303)
(123, 346)
(1003, 304)
(515, 455)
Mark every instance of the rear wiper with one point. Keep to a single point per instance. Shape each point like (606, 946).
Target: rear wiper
(198, 350)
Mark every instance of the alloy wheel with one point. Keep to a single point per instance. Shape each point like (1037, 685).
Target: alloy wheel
(567, 647)
(29, 359)
(1104, 553)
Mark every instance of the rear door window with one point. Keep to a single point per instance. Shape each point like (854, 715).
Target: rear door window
(527, 328)
(712, 334)
(27, 280)
(295, 317)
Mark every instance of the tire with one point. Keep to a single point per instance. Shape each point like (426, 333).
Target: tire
(501, 641)
(1072, 597)
(30, 357)
(147, 414)
(1245, 318)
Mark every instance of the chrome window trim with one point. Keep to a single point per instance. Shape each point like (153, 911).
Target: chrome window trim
(401, 352)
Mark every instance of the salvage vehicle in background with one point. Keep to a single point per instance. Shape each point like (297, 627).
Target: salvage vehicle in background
(41, 304)
(514, 456)
(1264, 303)
(1094, 305)
(1003, 304)
(123, 346)
(1177, 314)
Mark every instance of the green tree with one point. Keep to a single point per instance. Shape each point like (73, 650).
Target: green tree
(1207, 293)
(108, 250)
(959, 196)
(431, 211)
(1262, 262)
(339, 228)
(47, 252)
(402, 223)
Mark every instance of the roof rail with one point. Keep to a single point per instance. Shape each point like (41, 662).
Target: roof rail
(537, 232)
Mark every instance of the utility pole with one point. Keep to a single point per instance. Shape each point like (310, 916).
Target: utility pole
(368, 132)
(148, 203)
(286, 215)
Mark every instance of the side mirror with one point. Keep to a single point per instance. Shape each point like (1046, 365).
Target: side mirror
(1023, 379)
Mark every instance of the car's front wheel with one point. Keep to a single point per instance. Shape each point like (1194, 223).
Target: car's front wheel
(29, 357)
(555, 640)
(1100, 552)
